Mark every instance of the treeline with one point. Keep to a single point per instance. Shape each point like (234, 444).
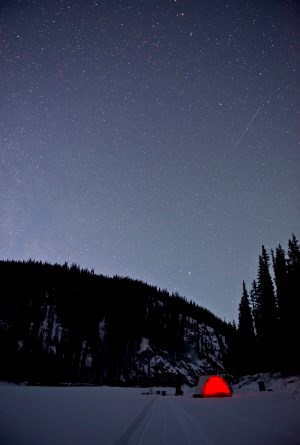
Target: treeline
(62, 323)
(268, 333)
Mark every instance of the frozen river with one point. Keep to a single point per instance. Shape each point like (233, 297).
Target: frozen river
(123, 416)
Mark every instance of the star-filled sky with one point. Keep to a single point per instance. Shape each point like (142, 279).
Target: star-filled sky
(155, 139)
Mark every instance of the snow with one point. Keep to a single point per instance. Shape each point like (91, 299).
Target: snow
(144, 345)
(273, 382)
(125, 416)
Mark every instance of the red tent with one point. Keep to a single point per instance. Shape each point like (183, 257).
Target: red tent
(212, 386)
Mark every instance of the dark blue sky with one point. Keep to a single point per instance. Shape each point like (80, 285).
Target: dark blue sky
(150, 138)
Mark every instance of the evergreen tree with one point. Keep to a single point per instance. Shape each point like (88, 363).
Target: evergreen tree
(231, 357)
(255, 308)
(283, 301)
(281, 281)
(293, 307)
(267, 317)
(246, 336)
(294, 255)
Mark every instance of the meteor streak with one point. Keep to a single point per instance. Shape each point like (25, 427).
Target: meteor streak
(248, 126)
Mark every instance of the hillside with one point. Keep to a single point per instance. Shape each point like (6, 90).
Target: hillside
(62, 324)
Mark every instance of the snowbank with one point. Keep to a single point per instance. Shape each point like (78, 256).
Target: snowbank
(272, 382)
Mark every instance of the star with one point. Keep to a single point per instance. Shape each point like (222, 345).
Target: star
(139, 145)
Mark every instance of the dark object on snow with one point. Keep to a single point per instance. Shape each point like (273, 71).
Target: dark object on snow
(261, 385)
(178, 390)
(163, 393)
(157, 392)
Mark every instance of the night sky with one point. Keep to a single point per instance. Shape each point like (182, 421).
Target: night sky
(155, 139)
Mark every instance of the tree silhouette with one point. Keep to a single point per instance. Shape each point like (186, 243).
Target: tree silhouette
(267, 329)
(247, 346)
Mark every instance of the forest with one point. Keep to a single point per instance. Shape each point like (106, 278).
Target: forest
(268, 333)
(60, 323)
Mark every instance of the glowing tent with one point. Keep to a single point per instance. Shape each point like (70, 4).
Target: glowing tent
(212, 386)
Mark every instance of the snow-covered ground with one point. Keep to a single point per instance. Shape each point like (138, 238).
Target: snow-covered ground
(272, 382)
(125, 416)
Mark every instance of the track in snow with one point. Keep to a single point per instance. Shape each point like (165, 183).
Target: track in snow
(184, 421)
(123, 416)
(163, 422)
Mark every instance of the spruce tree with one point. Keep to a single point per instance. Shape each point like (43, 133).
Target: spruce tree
(246, 336)
(267, 332)
(231, 357)
(255, 308)
(294, 254)
(283, 301)
(281, 281)
(293, 306)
